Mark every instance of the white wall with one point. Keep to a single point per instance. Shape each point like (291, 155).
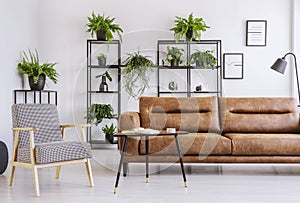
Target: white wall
(61, 38)
(18, 22)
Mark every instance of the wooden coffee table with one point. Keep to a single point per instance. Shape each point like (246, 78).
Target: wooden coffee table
(162, 133)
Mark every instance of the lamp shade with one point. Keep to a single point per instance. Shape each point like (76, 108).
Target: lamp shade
(279, 65)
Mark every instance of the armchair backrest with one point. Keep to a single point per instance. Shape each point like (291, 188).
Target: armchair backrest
(41, 116)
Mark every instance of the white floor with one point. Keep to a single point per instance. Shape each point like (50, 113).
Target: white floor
(206, 183)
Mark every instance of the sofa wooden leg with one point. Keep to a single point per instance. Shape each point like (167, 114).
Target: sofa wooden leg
(125, 169)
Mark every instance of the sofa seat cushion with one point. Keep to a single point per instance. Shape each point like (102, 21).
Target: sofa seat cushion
(264, 144)
(190, 144)
(55, 152)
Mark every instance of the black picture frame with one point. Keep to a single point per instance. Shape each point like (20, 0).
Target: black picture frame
(233, 66)
(256, 33)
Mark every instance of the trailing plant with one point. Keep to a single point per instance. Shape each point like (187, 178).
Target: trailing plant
(30, 66)
(183, 26)
(109, 130)
(175, 54)
(135, 74)
(100, 22)
(97, 112)
(106, 74)
(204, 59)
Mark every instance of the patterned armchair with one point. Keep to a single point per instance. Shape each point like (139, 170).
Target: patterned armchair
(39, 142)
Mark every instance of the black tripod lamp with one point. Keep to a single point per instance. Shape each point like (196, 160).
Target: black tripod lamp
(280, 65)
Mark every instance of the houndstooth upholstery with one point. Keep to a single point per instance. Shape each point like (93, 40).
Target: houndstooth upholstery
(55, 151)
(49, 146)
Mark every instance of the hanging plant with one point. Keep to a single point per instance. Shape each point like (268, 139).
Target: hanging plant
(135, 74)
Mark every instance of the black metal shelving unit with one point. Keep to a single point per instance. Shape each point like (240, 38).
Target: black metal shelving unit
(188, 68)
(92, 46)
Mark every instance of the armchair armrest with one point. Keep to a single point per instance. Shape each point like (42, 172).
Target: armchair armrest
(81, 126)
(25, 129)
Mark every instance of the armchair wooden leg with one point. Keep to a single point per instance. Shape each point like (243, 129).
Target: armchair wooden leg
(57, 172)
(12, 173)
(89, 172)
(36, 181)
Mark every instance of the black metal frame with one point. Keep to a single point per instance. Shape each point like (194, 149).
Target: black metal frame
(241, 65)
(35, 93)
(188, 68)
(247, 33)
(90, 67)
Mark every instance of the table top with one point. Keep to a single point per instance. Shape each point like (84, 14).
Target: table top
(161, 133)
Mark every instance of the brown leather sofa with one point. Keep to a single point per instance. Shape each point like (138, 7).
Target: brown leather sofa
(222, 130)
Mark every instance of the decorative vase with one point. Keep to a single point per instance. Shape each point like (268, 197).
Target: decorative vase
(101, 35)
(39, 85)
(189, 35)
(103, 85)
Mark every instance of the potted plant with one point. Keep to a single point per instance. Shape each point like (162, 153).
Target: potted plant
(135, 74)
(35, 71)
(101, 59)
(97, 112)
(188, 28)
(103, 27)
(109, 131)
(204, 59)
(103, 85)
(174, 56)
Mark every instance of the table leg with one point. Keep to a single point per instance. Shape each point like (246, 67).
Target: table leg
(180, 159)
(121, 163)
(147, 158)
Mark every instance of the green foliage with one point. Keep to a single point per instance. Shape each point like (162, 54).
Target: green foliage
(204, 59)
(97, 112)
(100, 22)
(106, 74)
(182, 26)
(174, 53)
(31, 66)
(109, 130)
(135, 74)
(101, 56)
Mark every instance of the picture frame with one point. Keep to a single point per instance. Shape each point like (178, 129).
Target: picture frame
(233, 66)
(256, 33)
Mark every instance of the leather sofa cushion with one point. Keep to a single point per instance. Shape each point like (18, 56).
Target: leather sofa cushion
(259, 115)
(188, 114)
(190, 144)
(264, 144)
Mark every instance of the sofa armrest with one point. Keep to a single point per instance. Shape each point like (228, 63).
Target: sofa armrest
(127, 121)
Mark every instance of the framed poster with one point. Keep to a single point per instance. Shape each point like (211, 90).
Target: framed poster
(233, 66)
(256, 33)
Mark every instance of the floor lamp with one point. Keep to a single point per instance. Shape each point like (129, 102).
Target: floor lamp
(280, 65)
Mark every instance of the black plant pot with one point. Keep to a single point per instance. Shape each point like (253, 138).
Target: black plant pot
(101, 35)
(174, 62)
(189, 35)
(110, 138)
(39, 85)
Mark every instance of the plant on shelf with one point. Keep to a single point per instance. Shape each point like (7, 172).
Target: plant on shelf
(109, 131)
(188, 28)
(97, 112)
(103, 85)
(174, 56)
(135, 74)
(101, 59)
(103, 27)
(36, 72)
(204, 59)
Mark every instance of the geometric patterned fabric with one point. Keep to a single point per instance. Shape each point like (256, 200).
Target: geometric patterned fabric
(49, 146)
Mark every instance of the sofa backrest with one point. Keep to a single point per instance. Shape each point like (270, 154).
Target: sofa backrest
(189, 114)
(254, 115)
